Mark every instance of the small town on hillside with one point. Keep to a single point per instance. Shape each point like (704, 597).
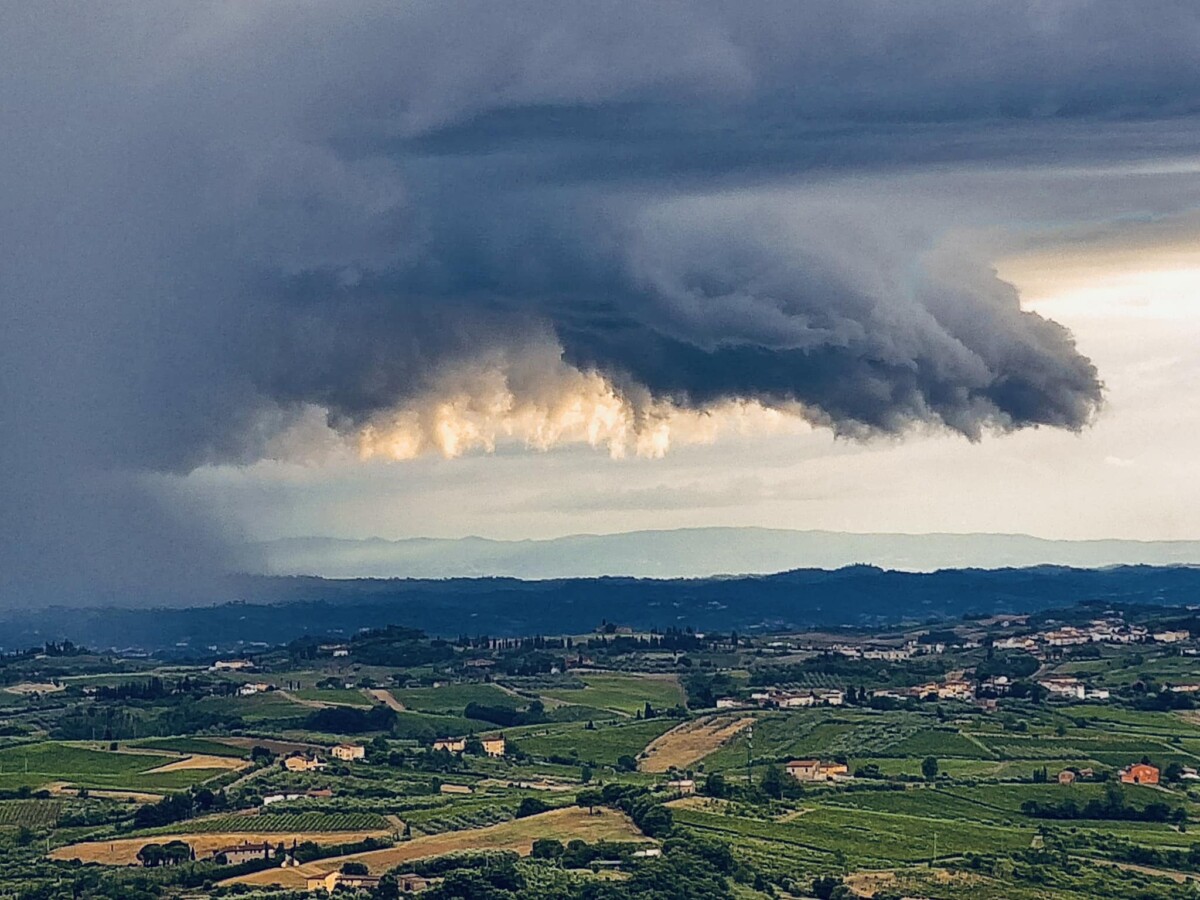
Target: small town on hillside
(376, 763)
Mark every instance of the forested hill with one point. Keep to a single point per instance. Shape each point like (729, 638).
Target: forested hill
(275, 610)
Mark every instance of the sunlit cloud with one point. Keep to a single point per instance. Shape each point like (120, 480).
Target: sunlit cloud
(481, 409)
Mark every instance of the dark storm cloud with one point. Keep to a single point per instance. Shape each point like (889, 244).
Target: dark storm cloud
(213, 214)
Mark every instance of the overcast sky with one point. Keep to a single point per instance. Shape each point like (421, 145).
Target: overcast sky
(525, 269)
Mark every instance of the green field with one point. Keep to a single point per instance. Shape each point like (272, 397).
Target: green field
(29, 813)
(33, 765)
(281, 823)
(989, 802)
(602, 746)
(624, 693)
(427, 727)
(827, 733)
(266, 707)
(192, 746)
(455, 697)
(866, 837)
(335, 696)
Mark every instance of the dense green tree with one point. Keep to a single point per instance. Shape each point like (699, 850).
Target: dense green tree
(772, 781)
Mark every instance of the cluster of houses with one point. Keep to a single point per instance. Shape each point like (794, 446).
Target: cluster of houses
(409, 883)
(1136, 773)
(1072, 688)
(492, 746)
(249, 851)
(1113, 630)
(890, 653)
(955, 688)
(311, 762)
(777, 698)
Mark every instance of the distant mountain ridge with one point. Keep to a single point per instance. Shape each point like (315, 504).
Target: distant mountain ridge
(275, 610)
(700, 553)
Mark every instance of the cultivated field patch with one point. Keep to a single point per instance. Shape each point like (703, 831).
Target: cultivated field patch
(123, 852)
(200, 762)
(281, 823)
(687, 744)
(622, 692)
(564, 824)
(602, 746)
(29, 813)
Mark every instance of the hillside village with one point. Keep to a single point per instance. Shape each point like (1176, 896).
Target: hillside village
(368, 764)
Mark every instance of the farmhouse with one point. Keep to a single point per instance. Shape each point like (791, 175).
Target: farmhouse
(412, 883)
(728, 703)
(335, 880)
(952, 689)
(301, 763)
(682, 785)
(829, 696)
(1015, 643)
(494, 747)
(348, 752)
(1066, 776)
(890, 654)
(833, 771)
(1139, 773)
(232, 665)
(254, 687)
(1064, 687)
(319, 794)
(454, 745)
(792, 701)
(1066, 637)
(815, 770)
(244, 852)
(1171, 637)
(280, 798)
(804, 769)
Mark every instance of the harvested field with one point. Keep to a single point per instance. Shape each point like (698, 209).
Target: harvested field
(123, 852)
(690, 742)
(519, 834)
(384, 696)
(68, 790)
(30, 687)
(201, 762)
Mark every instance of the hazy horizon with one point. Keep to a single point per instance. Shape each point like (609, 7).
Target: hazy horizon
(698, 553)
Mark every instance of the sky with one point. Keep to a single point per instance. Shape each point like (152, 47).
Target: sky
(531, 269)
